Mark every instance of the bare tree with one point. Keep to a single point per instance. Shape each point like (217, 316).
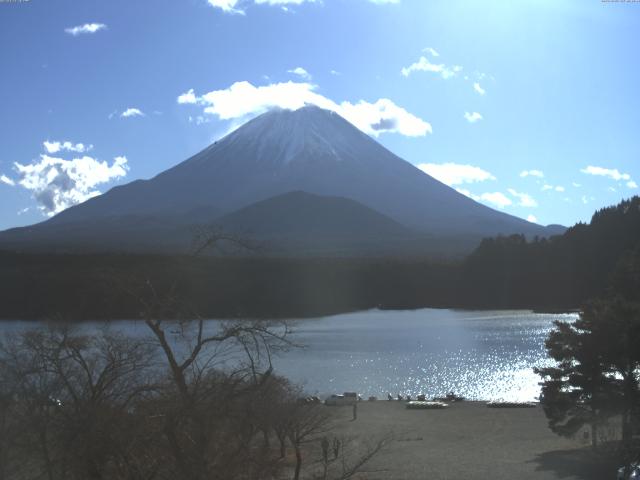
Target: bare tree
(72, 398)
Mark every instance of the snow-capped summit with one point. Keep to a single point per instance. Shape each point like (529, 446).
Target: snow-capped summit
(295, 135)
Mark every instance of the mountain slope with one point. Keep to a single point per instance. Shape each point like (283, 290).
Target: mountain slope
(304, 214)
(310, 150)
(299, 222)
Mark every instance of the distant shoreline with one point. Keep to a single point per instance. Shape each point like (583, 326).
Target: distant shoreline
(111, 286)
(299, 317)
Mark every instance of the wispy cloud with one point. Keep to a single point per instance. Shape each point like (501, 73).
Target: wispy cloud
(7, 181)
(558, 188)
(187, 97)
(242, 101)
(425, 65)
(56, 183)
(524, 199)
(432, 51)
(472, 117)
(455, 174)
(301, 72)
(56, 146)
(496, 199)
(478, 88)
(611, 173)
(132, 112)
(86, 28)
(239, 6)
(532, 173)
(227, 6)
(283, 2)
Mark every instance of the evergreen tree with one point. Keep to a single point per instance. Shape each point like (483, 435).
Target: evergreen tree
(597, 370)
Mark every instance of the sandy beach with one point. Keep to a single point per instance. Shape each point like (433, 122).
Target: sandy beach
(469, 440)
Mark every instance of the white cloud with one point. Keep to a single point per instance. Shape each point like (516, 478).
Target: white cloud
(383, 116)
(524, 199)
(532, 173)
(301, 72)
(237, 6)
(227, 6)
(242, 101)
(6, 180)
(431, 51)
(424, 65)
(86, 28)
(335, 72)
(455, 174)
(577, 185)
(57, 184)
(56, 146)
(132, 112)
(532, 219)
(199, 120)
(479, 89)
(498, 199)
(283, 2)
(611, 173)
(472, 117)
(558, 188)
(187, 97)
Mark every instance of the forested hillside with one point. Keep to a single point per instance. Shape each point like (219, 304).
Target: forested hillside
(505, 272)
(564, 270)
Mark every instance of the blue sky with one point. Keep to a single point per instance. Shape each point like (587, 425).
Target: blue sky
(531, 107)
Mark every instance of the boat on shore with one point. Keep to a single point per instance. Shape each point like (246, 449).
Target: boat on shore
(425, 405)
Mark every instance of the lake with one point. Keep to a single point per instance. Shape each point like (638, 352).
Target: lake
(482, 355)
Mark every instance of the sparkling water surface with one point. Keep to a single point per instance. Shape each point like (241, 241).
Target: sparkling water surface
(482, 355)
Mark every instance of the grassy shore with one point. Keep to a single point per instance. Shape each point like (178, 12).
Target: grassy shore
(469, 440)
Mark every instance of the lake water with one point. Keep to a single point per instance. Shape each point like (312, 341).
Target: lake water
(483, 355)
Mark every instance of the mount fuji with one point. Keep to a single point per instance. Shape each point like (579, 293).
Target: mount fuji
(245, 181)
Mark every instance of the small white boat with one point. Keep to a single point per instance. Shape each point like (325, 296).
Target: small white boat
(420, 405)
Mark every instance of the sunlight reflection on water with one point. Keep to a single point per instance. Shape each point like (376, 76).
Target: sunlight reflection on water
(480, 355)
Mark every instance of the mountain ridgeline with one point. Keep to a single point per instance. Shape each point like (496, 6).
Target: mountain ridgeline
(503, 272)
(361, 199)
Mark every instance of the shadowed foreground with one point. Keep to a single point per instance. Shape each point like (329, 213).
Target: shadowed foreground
(469, 440)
